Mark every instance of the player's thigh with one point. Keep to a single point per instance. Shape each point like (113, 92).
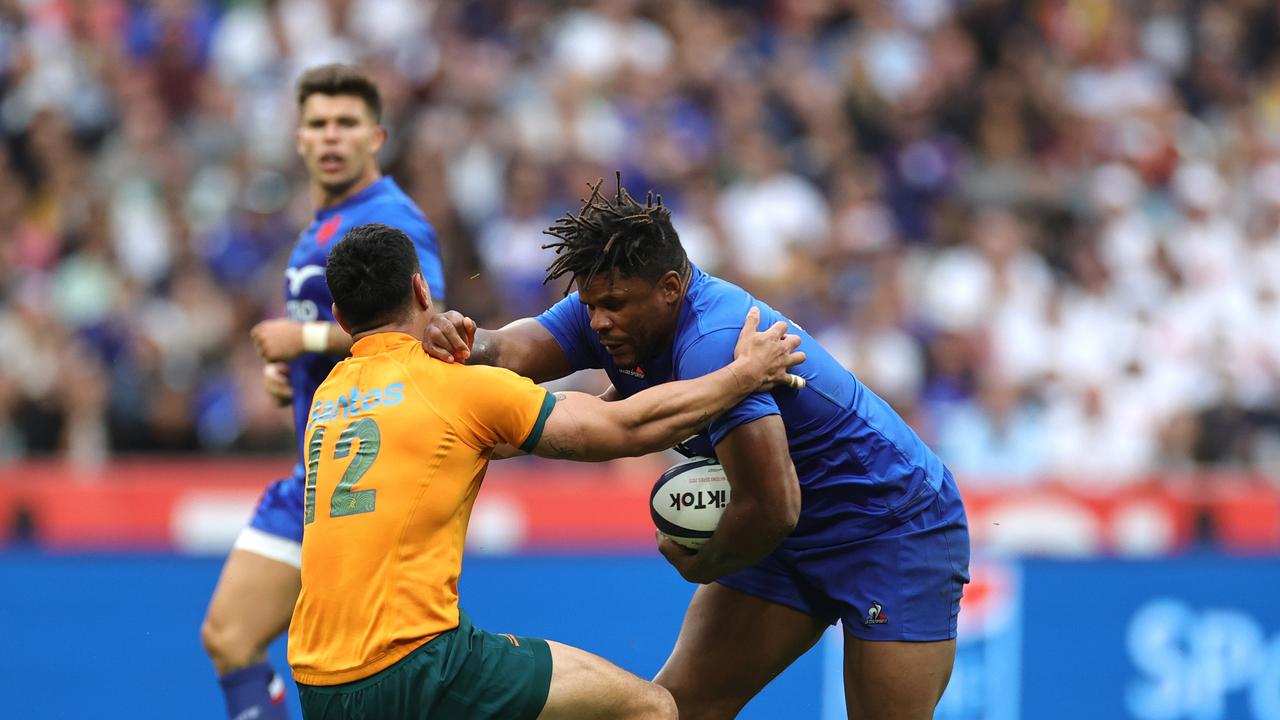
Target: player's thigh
(730, 646)
(585, 686)
(895, 680)
(251, 605)
(255, 595)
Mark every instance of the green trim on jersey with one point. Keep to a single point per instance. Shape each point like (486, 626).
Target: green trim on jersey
(531, 442)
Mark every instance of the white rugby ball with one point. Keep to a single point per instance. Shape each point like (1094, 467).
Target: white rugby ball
(688, 500)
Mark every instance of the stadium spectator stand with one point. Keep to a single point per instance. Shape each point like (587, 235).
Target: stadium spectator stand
(1048, 232)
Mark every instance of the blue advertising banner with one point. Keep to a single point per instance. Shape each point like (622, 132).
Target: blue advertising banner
(1186, 638)
(109, 637)
(985, 680)
(1190, 638)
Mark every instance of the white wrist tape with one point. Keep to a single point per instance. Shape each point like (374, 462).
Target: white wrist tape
(315, 337)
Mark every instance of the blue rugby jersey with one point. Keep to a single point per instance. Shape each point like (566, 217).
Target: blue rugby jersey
(307, 296)
(862, 469)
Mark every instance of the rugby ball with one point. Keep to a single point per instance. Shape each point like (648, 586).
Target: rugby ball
(688, 500)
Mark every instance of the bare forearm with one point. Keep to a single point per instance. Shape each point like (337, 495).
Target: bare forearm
(281, 339)
(766, 499)
(338, 341)
(484, 351)
(584, 427)
(524, 347)
(664, 415)
(325, 337)
(747, 533)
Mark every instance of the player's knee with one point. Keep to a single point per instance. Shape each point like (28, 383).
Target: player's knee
(688, 702)
(212, 638)
(656, 704)
(682, 693)
(227, 649)
(667, 708)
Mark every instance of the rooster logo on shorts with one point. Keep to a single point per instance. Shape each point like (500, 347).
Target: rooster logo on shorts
(875, 615)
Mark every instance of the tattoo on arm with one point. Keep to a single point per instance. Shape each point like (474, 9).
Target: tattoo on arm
(561, 450)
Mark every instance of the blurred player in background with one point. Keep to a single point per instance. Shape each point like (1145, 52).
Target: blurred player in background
(838, 512)
(338, 138)
(397, 445)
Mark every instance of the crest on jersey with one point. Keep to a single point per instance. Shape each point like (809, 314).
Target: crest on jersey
(326, 231)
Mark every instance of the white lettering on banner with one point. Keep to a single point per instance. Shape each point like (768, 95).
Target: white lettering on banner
(1193, 661)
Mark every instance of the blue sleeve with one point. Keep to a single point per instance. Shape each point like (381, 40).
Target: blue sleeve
(708, 354)
(568, 323)
(424, 242)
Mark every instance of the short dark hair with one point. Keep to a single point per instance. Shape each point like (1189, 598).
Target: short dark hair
(370, 275)
(619, 233)
(338, 79)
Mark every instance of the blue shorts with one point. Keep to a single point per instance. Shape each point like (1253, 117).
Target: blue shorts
(275, 531)
(903, 584)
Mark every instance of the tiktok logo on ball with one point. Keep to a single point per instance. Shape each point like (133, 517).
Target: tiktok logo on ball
(1195, 662)
(699, 500)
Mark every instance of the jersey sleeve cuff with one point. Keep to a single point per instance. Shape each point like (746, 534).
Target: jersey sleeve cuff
(717, 432)
(531, 442)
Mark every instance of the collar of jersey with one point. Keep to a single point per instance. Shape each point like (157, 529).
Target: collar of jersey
(374, 188)
(696, 277)
(380, 342)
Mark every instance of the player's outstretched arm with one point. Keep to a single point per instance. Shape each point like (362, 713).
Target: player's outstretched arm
(506, 452)
(524, 346)
(279, 339)
(584, 427)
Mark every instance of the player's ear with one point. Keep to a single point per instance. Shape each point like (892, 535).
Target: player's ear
(337, 316)
(379, 138)
(421, 292)
(669, 285)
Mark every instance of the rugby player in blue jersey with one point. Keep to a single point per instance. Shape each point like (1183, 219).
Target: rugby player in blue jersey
(838, 512)
(338, 138)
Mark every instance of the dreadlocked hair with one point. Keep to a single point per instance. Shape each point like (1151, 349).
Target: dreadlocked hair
(619, 233)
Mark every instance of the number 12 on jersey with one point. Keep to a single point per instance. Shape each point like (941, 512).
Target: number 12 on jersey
(364, 432)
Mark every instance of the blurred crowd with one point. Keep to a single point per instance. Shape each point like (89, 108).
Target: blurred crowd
(1048, 232)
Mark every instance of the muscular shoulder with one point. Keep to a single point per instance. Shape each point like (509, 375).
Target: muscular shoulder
(716, 310)
(454, 385)
(487, 380)
(392, 207)
(716, 304)
(390, 211)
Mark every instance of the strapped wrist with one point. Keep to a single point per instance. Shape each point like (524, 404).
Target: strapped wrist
(315, 336)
